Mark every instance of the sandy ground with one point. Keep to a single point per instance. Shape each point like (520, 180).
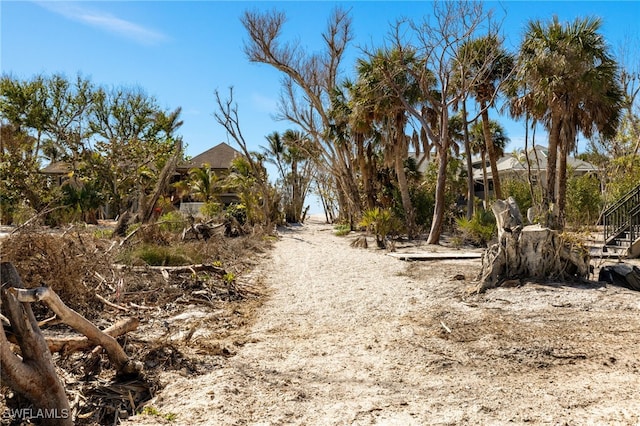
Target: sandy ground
(355, 337)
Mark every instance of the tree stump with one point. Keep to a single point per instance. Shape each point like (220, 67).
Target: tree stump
(529, 252)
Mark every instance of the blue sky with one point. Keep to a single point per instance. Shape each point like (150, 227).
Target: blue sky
(181, 51)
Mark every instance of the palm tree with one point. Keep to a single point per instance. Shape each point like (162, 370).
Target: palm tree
(291, 153)
(204, 183)
(390, 86)
(570, 84)
(360, 124)
(487, 66)
(478, 144)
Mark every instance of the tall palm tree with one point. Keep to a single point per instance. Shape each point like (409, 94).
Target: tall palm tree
(390, 86)
(487, 66)
(570, 84)
(360, 122)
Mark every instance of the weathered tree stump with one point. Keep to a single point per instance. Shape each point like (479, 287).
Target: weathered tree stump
(33, 373)
(529, 252)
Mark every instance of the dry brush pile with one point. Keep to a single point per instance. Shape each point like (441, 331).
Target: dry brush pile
(182, 313)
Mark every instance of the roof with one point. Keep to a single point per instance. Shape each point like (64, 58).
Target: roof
(56, 168)
(218, 157)
(517, 162)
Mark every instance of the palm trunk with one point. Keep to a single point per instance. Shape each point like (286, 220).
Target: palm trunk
(467, 148)
(550, 199)
(562, 181)
(485, 178)
(491, 150)
(404, 194)
(347, 189)
(365, 171)
(400, 154)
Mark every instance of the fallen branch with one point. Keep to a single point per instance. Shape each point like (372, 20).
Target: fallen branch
(204, 230)
(69, 345)
(113, 305)
(73, 344)
(141, 307)
(116, 354)
(177, 269)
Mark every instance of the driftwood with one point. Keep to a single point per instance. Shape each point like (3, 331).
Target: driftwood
(116, 354)
(33, 375)
(72, 344)
(77, 343)
(200, 230)
(529, 252)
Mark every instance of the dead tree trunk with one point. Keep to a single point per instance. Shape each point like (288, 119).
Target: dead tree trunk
(34, 376)
(529, 252)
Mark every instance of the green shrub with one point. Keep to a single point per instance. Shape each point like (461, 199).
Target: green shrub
(584, 200)
(22, 213)
(211, 209)
(479, 230)
(519, 190)
(622, 177)
(342, 229)
(229, 278)
(381, 222)
(154, 255)
(103, 233)
(454, 186)
(173, 221)
(237, 212)
(424, 203)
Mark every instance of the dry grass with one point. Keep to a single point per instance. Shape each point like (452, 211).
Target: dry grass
(78, 264)
(70, 263)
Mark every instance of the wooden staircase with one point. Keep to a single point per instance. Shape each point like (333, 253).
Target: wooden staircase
(622, 224)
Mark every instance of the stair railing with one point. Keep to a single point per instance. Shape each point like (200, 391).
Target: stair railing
(619, 216)
(634, 228)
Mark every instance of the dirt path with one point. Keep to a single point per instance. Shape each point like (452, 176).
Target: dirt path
(355, 337)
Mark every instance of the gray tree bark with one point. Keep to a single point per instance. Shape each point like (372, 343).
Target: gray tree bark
(34, 376)
(532, 251)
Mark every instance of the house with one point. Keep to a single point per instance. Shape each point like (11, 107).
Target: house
(58, 172)
(514, 165)
(218, 159)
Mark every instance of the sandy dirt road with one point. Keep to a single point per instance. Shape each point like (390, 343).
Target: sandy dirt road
(355, 337)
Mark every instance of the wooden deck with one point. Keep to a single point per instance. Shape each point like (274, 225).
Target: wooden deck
(436, 255)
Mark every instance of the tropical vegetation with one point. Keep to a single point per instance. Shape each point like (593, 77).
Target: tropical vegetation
(394, 135)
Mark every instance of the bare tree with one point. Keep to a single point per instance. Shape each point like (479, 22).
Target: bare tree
(310, 79)
(438, 39)
(227, 116)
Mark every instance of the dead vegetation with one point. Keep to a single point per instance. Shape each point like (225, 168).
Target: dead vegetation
(188, 313)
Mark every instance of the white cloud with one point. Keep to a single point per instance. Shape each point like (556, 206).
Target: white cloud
(105, 21)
